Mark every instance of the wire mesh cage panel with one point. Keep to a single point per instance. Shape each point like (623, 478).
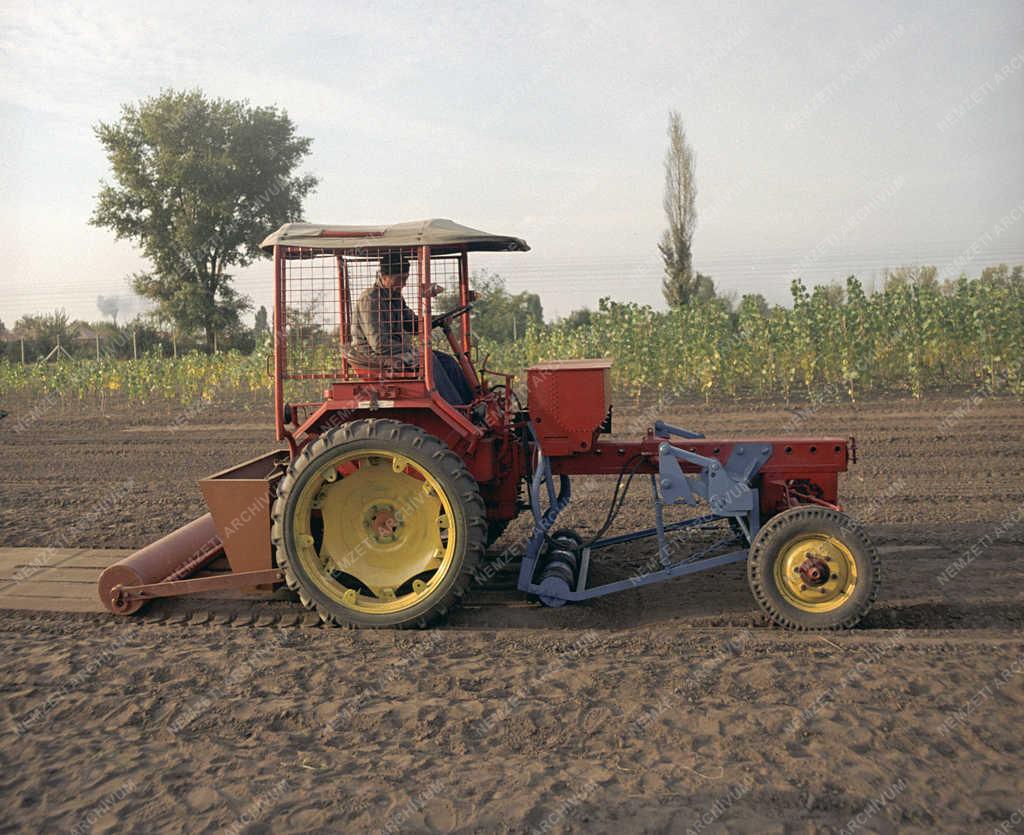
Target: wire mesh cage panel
(354, 315)
(444, 277)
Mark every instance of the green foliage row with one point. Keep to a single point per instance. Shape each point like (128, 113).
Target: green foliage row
(153, 378)
(911, 337)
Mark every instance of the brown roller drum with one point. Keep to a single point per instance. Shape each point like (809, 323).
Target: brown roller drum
(182, 549)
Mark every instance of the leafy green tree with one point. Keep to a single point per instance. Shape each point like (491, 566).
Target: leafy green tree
(197, 183)
(1002, 275)
(579, 318)
(500, 316)
(43, 332)
(703, 288)
(833, 292)
(914, 276)
(754, 305)
(304, 322)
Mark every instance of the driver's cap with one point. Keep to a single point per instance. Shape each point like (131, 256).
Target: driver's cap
(394, 262)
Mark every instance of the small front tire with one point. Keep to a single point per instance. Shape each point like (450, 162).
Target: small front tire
(813, 568)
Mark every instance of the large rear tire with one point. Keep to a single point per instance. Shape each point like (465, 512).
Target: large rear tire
(378, 524)
(813, 568)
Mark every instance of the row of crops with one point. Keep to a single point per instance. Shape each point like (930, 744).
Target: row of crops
(910, 338)
(152, 378)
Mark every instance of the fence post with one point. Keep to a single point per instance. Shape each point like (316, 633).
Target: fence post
(22, 341)
(97, 347)
(135, 347)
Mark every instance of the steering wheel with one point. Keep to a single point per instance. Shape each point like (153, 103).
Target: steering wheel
(442, 320)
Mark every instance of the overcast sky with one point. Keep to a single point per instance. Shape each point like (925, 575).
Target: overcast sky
(831, 137)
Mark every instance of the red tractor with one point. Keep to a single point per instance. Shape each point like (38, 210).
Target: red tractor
(388, 494)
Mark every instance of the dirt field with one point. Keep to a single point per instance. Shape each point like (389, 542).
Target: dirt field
(670, 708)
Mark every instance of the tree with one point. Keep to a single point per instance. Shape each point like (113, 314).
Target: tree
(914, 276)
(43, 333)
(304, 323)
(262, 322)
(579, 318)
(498, 315)
(49, 327)
(754, 304)
(703, 288)
(198, 183)
(1002, 275)
(833, 292)
(679, 285)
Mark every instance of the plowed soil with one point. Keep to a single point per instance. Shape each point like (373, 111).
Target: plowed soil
(669, 708)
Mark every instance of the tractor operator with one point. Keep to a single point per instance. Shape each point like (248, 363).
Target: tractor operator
(382, 325)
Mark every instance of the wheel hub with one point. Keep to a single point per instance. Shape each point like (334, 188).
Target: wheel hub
(816, 572)
(382, 523)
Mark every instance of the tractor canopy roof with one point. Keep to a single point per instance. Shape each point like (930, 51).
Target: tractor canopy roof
(439, 234)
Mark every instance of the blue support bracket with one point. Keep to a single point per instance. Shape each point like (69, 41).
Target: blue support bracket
(664, 430)
(543, 518)
(725, 487)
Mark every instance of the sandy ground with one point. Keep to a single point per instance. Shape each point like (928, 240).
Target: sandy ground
(670, 708)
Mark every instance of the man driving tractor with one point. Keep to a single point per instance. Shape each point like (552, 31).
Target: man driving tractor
(382, 325)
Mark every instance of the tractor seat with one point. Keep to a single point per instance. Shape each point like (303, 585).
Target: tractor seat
(370, 367)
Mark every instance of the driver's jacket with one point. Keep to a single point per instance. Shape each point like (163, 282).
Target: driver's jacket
(384, 325)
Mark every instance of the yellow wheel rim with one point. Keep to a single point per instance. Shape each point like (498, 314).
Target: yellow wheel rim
(816, 573)
(374, 531)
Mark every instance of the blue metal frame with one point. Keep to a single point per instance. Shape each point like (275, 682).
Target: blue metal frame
(724, 487)
(542, 520)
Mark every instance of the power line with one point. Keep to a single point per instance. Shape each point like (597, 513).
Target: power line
(580, 272)
(595, 275)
